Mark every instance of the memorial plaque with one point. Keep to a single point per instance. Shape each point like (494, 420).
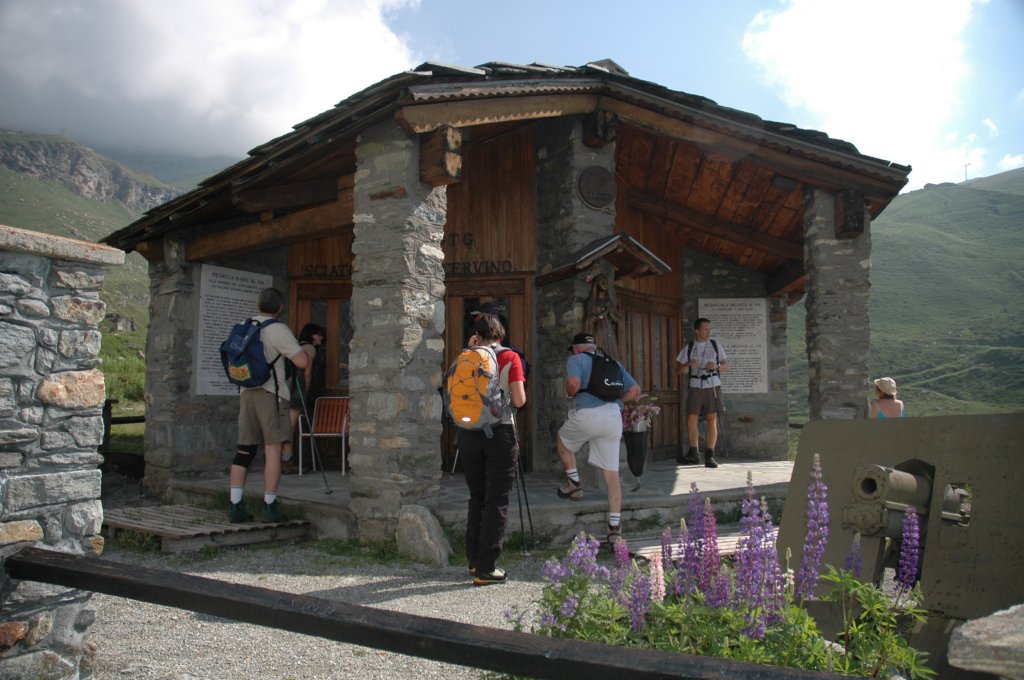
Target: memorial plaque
(741, 326)
(226, 297)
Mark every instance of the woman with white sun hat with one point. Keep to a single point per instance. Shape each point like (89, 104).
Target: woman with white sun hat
(885, 404)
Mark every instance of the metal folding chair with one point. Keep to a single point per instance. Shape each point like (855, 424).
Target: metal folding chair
(330, 419)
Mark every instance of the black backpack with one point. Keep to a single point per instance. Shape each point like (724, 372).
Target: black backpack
(606, 379)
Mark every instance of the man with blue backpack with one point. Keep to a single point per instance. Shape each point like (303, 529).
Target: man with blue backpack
(598, 385)
(263, 416)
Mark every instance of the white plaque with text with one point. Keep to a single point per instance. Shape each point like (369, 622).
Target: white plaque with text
(226, 297)
(741, 326)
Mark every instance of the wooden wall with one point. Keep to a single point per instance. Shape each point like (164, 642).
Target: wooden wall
(490, 211)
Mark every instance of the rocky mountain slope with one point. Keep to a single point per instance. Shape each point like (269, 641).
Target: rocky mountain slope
(81, 170)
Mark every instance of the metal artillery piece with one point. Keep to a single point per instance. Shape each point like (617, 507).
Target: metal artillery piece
(963, 474)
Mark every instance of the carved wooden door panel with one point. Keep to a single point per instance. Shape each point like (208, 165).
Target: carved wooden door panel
(649, 339)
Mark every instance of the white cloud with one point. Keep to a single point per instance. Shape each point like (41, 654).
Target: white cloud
(192, 75)
(993, 129)
(886, 76)
(1011, 162)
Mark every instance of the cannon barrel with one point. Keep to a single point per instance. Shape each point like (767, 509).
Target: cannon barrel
(872, 483)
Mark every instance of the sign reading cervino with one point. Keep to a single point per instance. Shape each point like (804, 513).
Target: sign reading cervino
(226, 297)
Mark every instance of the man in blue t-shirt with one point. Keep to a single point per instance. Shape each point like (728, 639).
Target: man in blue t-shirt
(593, 421)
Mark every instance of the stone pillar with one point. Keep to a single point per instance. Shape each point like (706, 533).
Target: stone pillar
(51, 423)
(838, 319)
(564, 225)
(397, 349)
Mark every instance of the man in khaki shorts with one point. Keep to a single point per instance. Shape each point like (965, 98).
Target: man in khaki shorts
(263, 416)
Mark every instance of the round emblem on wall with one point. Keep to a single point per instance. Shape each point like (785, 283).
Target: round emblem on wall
(597, 187)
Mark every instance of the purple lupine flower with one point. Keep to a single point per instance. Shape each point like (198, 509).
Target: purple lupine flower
(853, 558)
(640, 602)
(775, 594)
(618, 576)
(688, 568)
(710, 561)
(817, 534)
(748, 559)
(569, 607)
(657, 578)
(666, 546)
(910, 550)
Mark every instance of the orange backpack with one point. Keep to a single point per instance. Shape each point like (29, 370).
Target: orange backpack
(473, 396)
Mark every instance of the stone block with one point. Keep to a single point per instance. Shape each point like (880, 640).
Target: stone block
(33, 308)
(73, 389)
(992, 644)
(18, 436)
(21, 530)
(419, 536)
(16, 343)
(30, 491)
(11, 633)
(79, 344)
(78, 310)
(79, 280)
(12, 283)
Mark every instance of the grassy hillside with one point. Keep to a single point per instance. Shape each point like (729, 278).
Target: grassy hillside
(946, 299)
(48, 207)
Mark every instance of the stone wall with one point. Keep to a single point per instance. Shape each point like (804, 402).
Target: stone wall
(51, 400)
(838, 314)
(564, 225)
(398, 346)
(188, 434)
(754, 425)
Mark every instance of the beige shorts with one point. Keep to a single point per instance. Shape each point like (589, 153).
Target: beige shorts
(601, 427)
(263, 418)
(701, 400)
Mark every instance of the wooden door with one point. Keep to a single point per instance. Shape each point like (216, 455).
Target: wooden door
(328, 305)
(650, 336)
(463, 298)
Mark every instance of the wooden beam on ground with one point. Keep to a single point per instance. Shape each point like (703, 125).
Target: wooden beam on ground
(441, 156)
(271, 232)
(286, 195)
(438, 639)
(426, 117)
(709, 224)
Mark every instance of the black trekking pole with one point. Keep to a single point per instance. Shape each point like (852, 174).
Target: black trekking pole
(315, 454)
(521, 480)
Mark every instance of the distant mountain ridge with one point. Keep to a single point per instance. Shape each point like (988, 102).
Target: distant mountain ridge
(59, 159)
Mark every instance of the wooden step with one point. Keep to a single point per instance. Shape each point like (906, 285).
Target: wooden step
(183, 528)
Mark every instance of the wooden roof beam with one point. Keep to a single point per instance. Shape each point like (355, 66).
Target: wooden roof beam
(271, 233)
(815, 172)
(283, 196)
(714, 226)
(789, 281)
(420, 118)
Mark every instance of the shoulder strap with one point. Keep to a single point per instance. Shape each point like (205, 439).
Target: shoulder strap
(715, 346)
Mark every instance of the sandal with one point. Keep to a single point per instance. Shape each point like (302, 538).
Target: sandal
(615, 535)
(571, 490)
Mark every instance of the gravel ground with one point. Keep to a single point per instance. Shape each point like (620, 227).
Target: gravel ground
(140, 640)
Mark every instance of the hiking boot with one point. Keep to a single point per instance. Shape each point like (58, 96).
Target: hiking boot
(272, 513)
(237, 513)
(690, 458)
(571, 490)
(490, 578)
(615, 534)
(709, 459)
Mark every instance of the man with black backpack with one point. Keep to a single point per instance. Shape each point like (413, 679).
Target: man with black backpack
(702, 360)
(597, 385)
(263, 416)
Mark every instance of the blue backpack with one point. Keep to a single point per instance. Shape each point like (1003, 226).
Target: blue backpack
(245, 364)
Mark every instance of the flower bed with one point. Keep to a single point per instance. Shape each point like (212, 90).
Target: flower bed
(688, 599)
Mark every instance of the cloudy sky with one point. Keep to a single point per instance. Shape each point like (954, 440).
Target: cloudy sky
(935, 84)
